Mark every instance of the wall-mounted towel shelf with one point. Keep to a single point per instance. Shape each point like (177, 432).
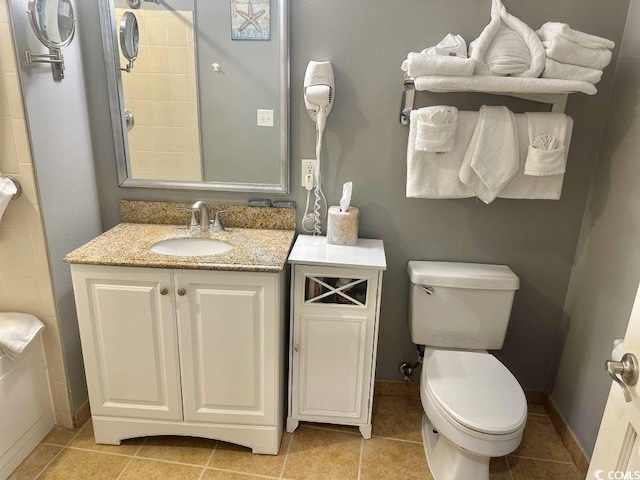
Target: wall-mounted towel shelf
(543, 90)
(17, 184)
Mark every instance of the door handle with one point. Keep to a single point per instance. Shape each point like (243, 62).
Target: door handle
(624, 373)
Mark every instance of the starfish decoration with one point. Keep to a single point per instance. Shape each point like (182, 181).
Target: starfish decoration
(250, 17)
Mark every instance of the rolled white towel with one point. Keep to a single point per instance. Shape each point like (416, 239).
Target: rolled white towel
(436, 129)
(546, 154)
(584, 39)
(420, 64)
(17, 331)
(561, 50)
(565, 71)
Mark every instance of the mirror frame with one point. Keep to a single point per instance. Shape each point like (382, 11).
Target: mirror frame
(109, 30)
(31, 10)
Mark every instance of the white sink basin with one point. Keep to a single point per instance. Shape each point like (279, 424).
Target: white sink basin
(190, 247)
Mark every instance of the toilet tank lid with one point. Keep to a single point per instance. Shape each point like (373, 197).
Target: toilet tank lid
(463, 275)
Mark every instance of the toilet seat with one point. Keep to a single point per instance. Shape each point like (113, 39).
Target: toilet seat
(475, 392)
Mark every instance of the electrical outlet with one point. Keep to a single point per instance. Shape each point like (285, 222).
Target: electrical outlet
(265, 118)
(310, 167)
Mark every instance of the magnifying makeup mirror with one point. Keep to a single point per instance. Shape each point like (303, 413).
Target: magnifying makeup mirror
(129, 39)
(54, 24)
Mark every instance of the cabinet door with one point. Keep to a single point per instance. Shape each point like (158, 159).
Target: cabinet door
(129, 341)
(333, 336)
(228, 330)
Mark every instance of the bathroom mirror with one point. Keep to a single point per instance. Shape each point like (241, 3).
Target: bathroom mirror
(208, 98)
(129, 39)
(53, 22)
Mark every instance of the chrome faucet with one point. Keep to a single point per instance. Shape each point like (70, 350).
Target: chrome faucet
(204, 220)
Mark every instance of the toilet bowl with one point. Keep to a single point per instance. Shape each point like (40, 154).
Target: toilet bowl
(474, 407)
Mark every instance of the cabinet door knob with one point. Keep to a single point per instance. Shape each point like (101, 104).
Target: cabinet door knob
(182, 292)
(164, 291)
(296, 348)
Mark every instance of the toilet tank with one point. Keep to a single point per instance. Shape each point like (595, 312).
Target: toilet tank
(460, 305)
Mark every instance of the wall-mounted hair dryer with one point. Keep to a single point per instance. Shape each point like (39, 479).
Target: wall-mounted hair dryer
(319, 91)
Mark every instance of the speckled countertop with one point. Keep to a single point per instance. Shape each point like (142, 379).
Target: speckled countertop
(129, 244)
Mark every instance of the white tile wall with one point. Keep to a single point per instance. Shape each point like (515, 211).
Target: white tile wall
(160, 92)
(25, 280)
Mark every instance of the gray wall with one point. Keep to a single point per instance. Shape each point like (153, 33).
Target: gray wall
(605, 278)
(366, 42)
(62, 156)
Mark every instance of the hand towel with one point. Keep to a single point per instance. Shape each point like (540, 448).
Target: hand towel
(496, 48)
(17, 331)
(584, 39)
(562, 50)
(420, 64)
(546, 154)
(7, 190)
(451, 46)
(566, 71)
(491, 159)
(435, 175)
(436, 129)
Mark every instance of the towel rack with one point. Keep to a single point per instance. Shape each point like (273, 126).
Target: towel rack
(558, 101)
(16, 183)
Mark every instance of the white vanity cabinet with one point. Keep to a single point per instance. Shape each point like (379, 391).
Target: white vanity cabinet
(335, 305)
(183, 352)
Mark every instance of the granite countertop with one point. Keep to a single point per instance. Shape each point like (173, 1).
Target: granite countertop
(128, 244)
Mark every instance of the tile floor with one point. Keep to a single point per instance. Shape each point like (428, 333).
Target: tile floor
(313, 452)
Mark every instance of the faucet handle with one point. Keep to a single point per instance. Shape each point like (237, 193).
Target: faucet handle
(193, 224)
(216, 225)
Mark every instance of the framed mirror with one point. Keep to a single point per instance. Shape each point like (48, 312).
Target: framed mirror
(207, 102)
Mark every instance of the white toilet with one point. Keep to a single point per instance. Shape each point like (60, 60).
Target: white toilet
(475, 408)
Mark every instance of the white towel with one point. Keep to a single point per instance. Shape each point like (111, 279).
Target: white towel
(7, 190)
(584, 39)
(546, 154)
(436, 175)
(17, 331)
(561, 50)
(495, 47)
(419, 64)
(491, 160)
(567, 71)
(436, 128)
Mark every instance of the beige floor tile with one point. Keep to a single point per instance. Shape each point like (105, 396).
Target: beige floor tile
(35, 462)
(526, 469)
(397, 389)
(323, 455)
(541, 441)
(397, 417)
(85, 439)
(140, 469)
(536, 409)
(498, 469)
(240, 459)
(191, 450)
(387, 459)
(222, 475)
(82, 465)
(60, 436)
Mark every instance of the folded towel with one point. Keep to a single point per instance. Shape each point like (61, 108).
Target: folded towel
(566, 71)
(561, 50)
(7, 190)
(584, 39)
(437, 175)
(490, 84)
(17, 331)
(419, 64)
(498, 50)
(436, 129)
(491, 159)
(451, 46)
(546, 154)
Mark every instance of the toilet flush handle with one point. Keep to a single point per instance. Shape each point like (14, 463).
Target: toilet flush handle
(627, 368)
(427, 290)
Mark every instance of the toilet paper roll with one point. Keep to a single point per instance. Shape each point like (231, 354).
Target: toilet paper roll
(342, 227)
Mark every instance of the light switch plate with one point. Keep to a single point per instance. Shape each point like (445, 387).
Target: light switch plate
(265, 118)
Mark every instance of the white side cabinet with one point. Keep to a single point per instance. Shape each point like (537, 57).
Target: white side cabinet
(183, 352)
(335, 305)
